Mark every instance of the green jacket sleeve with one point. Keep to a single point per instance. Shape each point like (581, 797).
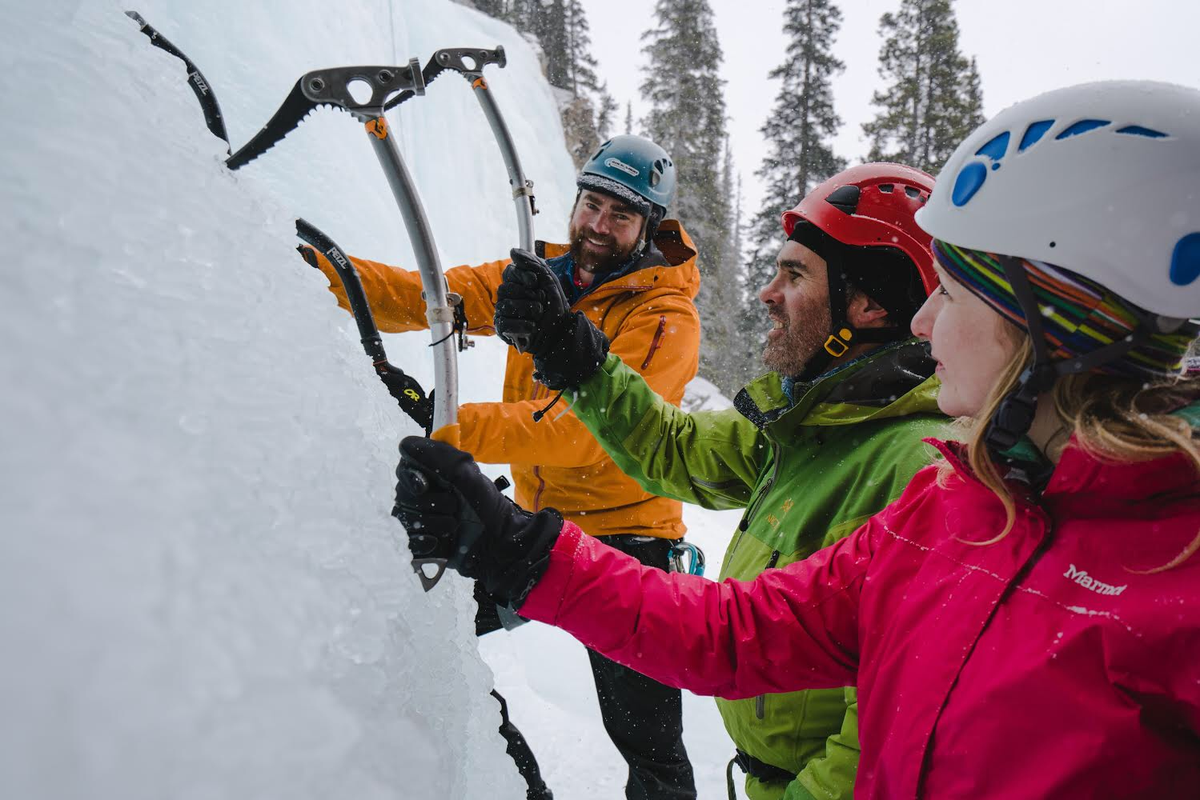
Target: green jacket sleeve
(708, 458)
(832, 777)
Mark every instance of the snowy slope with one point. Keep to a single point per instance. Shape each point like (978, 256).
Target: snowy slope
(201, 592)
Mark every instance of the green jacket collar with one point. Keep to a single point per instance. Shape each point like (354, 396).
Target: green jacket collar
(894, 381)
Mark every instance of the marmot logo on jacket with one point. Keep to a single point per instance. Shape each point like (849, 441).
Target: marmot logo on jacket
(1088, 582)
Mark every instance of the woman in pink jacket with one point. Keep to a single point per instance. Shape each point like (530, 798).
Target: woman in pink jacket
(1025, 620)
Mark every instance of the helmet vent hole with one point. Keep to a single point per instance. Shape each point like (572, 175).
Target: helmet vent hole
(1138, 130)
(996, 147)
(1083, 126)
(1033, 133)
(886, 188)
(912, 192)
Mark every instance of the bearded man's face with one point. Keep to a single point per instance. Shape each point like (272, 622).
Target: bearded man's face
(603, 232)
(797, 301)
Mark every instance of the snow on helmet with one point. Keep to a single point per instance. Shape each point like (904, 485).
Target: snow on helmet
(1102, 179)
(872, 205)
(634, 169)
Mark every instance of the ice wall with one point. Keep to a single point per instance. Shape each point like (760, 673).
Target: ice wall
(201, 592)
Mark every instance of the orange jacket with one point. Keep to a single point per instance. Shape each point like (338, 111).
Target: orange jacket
(651, 320)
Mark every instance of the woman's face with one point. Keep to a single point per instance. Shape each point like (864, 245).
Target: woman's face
(970, 341)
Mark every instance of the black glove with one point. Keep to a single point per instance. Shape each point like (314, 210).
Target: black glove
(533, 315)
(451, 510)
(531, 307)
(408, 394)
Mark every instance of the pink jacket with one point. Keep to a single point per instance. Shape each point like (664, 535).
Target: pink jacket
(1048, 664)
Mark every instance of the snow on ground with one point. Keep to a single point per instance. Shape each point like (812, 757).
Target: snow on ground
(702, 395)
(201, 592)
(544, 675)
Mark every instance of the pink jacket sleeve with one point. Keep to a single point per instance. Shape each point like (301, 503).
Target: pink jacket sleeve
(791, 628)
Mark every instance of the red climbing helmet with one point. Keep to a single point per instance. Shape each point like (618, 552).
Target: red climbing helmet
(872, 205)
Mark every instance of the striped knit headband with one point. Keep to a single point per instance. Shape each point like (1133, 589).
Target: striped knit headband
(1078, 315)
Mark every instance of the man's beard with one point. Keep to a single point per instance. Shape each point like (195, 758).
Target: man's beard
(595, 262)
(802, 339)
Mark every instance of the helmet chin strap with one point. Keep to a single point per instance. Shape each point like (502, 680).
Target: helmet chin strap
(1014, 416)
(643, 239)
(842, 335)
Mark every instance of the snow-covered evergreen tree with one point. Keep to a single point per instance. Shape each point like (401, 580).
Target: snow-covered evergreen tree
(729, 349)
(493, 8)
(799, 134)
(605, 113)
(561, 29)
(933, 99)
(685, 92)
(581, 64)
(548, 23)
(628, 116)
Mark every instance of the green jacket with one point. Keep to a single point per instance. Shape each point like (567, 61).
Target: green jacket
(808, 473)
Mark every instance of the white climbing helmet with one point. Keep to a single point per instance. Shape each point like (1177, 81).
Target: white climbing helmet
(1102, 179)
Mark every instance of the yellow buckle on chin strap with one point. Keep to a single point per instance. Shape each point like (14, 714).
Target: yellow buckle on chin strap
(838, 343)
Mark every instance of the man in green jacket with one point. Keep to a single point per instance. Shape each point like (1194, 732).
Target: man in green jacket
(811, 450)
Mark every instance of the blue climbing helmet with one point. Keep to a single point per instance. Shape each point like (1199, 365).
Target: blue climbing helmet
(634, 169)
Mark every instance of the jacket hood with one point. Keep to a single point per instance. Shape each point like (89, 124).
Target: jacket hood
(894, 381)
(679, 273)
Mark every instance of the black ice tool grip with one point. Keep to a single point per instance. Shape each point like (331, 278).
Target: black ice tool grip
(200, 87)
(368, 333)
(415, 482)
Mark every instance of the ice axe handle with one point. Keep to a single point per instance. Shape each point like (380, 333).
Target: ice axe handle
(418, 485)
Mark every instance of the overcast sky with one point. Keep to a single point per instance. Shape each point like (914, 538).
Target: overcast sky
(1023, 47)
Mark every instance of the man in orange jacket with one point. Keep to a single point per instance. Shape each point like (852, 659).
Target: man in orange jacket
(633, 274)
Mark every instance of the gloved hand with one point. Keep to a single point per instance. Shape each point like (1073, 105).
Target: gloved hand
(409, 394)
(533, 315)
(451, 510)
(531, 307)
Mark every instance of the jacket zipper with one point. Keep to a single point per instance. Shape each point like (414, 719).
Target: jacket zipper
(656, 341)
(537, 471)
(760, 702)
(744, 524)
(537, 496)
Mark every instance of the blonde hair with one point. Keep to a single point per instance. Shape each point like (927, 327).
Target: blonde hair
(1112, 418)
